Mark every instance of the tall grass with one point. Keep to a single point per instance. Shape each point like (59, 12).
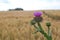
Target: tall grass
(16, 26)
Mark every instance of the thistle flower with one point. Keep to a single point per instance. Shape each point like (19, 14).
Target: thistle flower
(38, 17)
(37, 14)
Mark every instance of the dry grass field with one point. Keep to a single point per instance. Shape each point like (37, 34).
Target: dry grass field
(15, 25)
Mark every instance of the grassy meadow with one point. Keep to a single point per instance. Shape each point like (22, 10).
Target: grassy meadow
(15, 25)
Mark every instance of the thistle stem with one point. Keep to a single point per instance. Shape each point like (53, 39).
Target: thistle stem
(48, 31)
(49, 34)
(40, 26)
(42, 31)
(35, 26)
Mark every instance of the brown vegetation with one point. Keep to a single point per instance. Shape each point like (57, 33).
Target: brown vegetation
(15, 25)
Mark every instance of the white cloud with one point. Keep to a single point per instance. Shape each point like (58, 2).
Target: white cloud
(31, 4)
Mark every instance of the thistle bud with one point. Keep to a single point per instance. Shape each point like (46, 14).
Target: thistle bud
(32, 22)
(48, 24)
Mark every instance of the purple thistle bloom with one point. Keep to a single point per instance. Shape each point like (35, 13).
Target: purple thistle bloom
(37, 14)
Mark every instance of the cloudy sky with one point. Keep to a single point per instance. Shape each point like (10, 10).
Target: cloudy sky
(29, 4)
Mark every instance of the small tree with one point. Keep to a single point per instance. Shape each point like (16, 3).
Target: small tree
(16, 9)
(19, 9)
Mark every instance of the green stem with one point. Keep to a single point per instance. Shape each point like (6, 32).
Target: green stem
(48, 31)
(39, 29)
(49, 34)
(35, 26)
(45, 34)
(39, 26)
(42, 31)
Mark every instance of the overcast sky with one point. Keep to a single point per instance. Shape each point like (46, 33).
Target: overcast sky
(29, 4)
